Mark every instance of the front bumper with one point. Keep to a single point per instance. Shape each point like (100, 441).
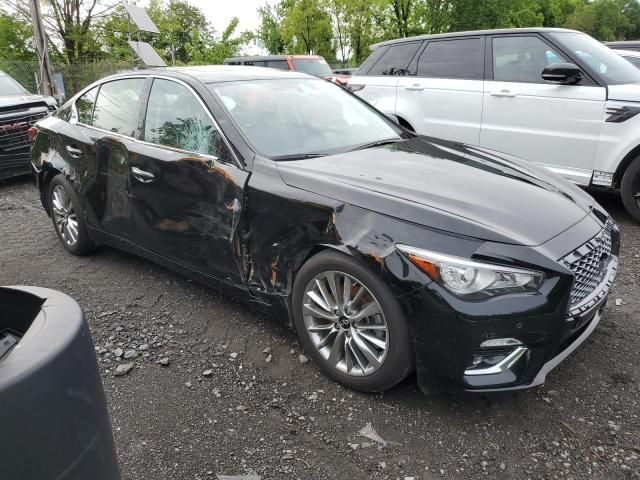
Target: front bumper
(503, 343)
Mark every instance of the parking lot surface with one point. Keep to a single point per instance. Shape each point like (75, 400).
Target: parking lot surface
(218, 388)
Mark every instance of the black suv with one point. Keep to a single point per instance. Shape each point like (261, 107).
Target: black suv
(19, 111)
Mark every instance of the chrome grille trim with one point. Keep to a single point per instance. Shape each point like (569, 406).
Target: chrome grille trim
(588, 264)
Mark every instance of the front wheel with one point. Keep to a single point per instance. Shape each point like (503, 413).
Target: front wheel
(350, 324)
(630, 189)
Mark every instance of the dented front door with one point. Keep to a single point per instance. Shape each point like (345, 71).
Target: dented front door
(184, 184)
(186, 207)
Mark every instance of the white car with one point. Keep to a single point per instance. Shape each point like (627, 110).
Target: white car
(555, 97)
(630, 55)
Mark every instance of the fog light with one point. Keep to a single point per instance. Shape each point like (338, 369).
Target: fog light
(500, 342)
(494, 362)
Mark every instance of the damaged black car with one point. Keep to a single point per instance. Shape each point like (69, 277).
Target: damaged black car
(387, 252)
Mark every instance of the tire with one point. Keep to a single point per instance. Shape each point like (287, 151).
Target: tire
(384, 324)
(630, 189)
(68, 217)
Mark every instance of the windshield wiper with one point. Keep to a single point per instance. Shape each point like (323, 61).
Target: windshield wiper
(299, 156)
(377, 143)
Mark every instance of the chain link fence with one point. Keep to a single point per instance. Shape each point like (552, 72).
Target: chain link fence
(75, 76)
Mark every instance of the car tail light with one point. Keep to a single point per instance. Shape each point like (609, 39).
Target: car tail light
(31, 133)
(355, 87)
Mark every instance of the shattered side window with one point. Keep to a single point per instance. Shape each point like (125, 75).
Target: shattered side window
(175, 118)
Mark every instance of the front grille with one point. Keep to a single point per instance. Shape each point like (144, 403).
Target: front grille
(14, 142)
(588, 264)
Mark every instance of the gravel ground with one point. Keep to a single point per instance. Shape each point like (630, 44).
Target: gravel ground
(218, 388)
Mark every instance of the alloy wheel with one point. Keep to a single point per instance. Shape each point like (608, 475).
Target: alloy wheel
(345, 323)
(64, 215)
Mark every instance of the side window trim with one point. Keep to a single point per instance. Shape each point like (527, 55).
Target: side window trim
(489, 74)
(75, 116)
(207, 111)
(99, 86)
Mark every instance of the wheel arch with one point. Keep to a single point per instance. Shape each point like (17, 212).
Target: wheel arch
(624, 164)
(46, 175)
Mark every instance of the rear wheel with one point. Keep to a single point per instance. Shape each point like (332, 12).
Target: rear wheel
(350, 324)
(630, 189)
(67, 217)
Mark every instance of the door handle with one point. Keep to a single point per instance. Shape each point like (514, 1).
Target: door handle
(503, 93)
(142, 175)
(416, 87)
(74, 152)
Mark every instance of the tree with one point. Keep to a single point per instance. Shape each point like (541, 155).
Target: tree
(177, 21)
(16, 39)
(209, 48)
(606, 19)
(189, 40)
(69, 24)
(306, 28)
(363, 28)
(269, 34)
(556, 12)
(472, 15)
(338, 10)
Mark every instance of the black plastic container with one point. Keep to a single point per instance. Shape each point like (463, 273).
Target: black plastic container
(53, 415)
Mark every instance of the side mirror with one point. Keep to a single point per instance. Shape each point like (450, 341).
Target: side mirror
(562, 73)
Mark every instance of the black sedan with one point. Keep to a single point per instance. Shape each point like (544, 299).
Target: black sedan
(385, 250)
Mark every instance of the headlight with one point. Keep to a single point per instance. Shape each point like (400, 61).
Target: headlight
(466, 277)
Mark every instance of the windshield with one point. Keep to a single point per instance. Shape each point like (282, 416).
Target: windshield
(611, 66)
(297, 117)
(8, 86)
(312, 66)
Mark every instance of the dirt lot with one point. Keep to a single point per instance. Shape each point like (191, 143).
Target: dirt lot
(235, 397)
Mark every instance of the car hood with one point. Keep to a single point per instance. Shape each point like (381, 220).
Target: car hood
(629, 92)
(448, 186)
(8, 101)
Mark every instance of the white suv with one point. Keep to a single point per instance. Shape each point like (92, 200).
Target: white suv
(552, 96)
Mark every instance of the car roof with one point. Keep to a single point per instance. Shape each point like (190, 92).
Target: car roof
(502, 31)
(218, 73)
(253, 58)
(624, 43)
(627, 53)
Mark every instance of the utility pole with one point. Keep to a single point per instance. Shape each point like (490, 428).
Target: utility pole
(46, 86)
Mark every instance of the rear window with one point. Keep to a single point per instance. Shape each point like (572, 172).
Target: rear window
(117, 105)
(458, 59)
(371, 61)
(84, 106)
(279, 64)
(395, 60)
(312, 66)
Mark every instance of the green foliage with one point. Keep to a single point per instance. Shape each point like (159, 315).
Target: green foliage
(269, 34)
(185, 35)
(16, 39)
(343, 29)
(177, 21)
(607, 19)
(307, 29)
